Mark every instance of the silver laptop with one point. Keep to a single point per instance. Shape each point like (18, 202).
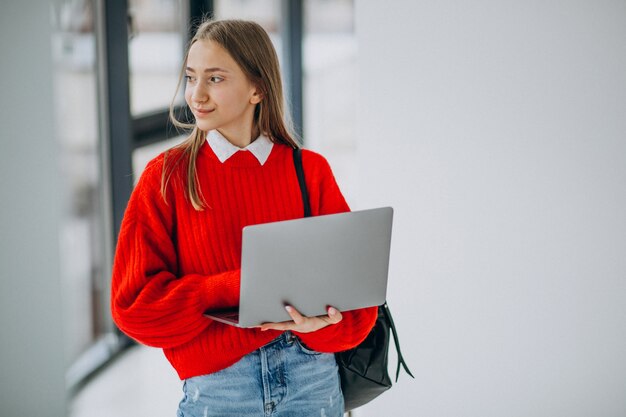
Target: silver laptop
(338, 260)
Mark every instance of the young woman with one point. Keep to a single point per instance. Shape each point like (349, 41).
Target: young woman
(179, 247)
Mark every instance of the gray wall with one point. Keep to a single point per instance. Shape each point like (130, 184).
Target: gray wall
(31, 338)
(497, 129)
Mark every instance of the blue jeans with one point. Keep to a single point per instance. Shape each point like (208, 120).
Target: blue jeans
(281, 379)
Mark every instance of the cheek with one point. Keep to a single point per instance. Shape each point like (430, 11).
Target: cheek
(188, 93)
(234, 98)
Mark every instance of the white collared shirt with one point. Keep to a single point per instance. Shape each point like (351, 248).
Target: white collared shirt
(223, 149)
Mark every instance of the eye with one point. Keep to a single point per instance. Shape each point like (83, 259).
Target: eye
(216, 79)
(189, 79)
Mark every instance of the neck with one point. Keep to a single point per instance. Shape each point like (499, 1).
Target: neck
(242, 138)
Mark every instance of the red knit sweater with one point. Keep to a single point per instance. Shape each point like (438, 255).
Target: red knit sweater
(172, 262)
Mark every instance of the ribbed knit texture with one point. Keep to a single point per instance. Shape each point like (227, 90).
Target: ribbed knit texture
(172, 263)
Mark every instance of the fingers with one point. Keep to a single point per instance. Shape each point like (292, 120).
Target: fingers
(304, 324)
(298, 321)
(334, 315)
(295, 315)
(282, 326)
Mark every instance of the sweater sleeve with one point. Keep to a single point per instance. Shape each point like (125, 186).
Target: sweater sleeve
(149, 302)
(326, 198)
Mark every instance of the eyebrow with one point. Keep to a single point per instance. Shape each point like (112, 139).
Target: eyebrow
(213, 69)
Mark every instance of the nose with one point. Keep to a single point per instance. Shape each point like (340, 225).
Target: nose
(199, 94)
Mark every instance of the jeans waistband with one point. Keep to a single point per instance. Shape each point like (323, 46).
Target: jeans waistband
(286, 338)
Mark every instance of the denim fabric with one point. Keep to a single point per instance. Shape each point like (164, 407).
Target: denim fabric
(281, 379)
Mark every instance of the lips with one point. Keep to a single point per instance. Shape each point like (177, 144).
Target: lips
(202, 112)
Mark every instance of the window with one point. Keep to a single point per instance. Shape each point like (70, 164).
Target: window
(84, 267)
(155, 51)
(267, 13)
(157, 41)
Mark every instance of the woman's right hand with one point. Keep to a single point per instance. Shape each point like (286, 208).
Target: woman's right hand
(304, 324)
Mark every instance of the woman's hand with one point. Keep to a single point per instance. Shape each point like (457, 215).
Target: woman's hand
(304, 324)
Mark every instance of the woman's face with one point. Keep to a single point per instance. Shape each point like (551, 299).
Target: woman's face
(218, 92)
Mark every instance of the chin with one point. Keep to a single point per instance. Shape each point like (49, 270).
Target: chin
(204, 126)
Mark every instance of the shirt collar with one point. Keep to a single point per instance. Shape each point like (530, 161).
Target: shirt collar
(223, 149)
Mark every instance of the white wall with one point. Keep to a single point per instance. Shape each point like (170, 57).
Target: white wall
(32, 364)
(497, 129)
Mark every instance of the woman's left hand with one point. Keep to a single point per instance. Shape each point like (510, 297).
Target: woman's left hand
(304, 324)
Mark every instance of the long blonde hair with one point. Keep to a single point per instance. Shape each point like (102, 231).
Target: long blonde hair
(250, 46)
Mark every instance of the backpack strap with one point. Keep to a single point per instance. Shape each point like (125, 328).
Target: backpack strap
(387, 313)
(297, 161)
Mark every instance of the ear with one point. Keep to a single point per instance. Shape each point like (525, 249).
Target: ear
(257, 96)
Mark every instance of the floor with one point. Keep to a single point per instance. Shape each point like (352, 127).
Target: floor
(140, 382)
